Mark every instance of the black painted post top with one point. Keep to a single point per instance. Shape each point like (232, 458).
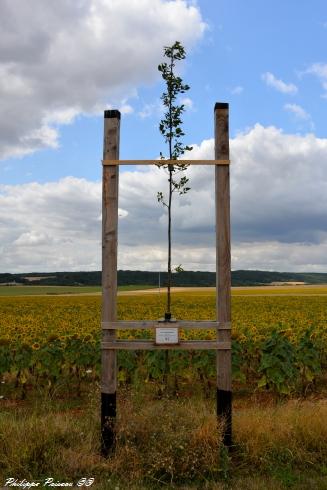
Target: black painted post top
(112, 113)
(221, 105)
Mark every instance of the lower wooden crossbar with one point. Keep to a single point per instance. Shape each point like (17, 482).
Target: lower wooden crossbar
(150, 345)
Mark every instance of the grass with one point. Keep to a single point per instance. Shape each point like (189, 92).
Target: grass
(58, 290)
(135, 287)
(45, 290)
(166, 443)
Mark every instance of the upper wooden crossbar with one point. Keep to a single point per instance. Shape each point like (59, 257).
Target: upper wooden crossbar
(166, 162)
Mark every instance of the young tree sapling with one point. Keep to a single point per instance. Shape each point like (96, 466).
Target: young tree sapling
(171, 129)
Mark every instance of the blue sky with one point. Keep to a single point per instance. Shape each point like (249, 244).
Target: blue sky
(267, 59)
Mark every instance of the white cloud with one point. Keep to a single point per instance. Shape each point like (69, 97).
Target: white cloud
(43, 136)
(32, 238)
(279, 85)
(237, 90)
(126, 109)
(297, 110)
(279, 208)
(187, 102)
(63, 116)
(60, 59)
(273, 255)
(148, 110)
(320, 71)
(299, 113)
(60, 230)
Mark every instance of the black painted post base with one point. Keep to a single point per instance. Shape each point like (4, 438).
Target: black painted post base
(108, 422)
(224, 413)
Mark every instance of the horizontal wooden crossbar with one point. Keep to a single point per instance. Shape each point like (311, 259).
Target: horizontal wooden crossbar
(166, 162)
(150, 345)
(150, 324)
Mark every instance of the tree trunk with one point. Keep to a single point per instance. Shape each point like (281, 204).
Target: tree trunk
(168, 312)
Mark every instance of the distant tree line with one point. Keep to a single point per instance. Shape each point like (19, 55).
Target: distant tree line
(148, 278)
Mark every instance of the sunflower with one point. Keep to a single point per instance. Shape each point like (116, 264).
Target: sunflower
(4, 341)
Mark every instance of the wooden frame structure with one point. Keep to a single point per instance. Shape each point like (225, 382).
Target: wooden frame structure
(110, 344)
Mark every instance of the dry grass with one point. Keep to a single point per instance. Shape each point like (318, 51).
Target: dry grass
(168, 443)
(294, 433)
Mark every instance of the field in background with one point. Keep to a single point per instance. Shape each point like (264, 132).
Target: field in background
(236, 291)
(279, 341)
(58, 290)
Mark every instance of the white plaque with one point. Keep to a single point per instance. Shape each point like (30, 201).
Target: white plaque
(167, 335)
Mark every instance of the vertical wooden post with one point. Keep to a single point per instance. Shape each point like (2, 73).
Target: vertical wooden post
(109, 277)
(223, 271)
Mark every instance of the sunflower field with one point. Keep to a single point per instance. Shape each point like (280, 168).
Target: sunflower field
(279, 342)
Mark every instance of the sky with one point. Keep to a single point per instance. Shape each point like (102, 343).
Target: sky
(63, 63)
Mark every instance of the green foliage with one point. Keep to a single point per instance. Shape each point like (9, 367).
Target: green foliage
(285, 475)
(204, 364)
(277, 364)
(128, 362)
(155, 364)
(6, 360)
(238, 361)
(283, 364)
(49, 360)
(171, 125)
(225, 461)
(180, 362)
(79, 280)
(308, 359)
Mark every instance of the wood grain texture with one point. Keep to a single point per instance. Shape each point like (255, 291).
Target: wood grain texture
(109, 250)
(165, 162)
(223, 258)
(150, 324)
(150, 345)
